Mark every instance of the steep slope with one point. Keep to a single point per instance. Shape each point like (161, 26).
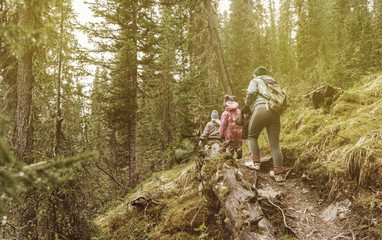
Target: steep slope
(339, 150)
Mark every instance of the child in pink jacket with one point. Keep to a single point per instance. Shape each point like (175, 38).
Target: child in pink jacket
(229, 129)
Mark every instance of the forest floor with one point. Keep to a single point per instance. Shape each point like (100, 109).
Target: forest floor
(302, 211)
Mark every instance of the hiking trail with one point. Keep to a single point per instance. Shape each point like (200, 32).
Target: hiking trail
(297, 205)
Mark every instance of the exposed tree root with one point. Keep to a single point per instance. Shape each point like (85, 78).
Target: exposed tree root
(284, 217)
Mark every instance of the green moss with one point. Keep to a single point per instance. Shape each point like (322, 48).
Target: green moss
(343, 109)
(211, 165)
(183, 206)
(184, 216)
(341, 145)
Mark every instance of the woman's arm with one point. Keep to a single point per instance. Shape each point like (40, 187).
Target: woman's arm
(251, 93)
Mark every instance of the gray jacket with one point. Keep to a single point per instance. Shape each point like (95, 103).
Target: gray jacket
(211, 131)
(256, 90)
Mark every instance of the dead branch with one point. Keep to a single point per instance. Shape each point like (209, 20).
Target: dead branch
(110, 176)
(184, 187)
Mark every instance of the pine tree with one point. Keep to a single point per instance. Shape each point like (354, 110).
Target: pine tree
(271, 39)
(313, 39)
(377, 37)
(241, 55)
(8, 62)
(286, 43)
(221, 65)
(24, 132)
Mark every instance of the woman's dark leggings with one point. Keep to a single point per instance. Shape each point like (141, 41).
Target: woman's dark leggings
(262, 118)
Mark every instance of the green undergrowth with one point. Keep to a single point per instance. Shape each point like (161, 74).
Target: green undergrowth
(184, 208)
(340, 147)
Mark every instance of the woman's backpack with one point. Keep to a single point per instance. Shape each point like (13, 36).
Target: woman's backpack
(277, 100)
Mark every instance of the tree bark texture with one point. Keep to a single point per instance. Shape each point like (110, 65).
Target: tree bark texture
(8, 70)
(24, 133)
(222, 66)
(132, 128)
(239, 204)
(133, 148)
(59, 118)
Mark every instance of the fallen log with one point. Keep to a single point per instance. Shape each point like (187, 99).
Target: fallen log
(238, 200)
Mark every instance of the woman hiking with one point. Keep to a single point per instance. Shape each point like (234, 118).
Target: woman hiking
(263, 117)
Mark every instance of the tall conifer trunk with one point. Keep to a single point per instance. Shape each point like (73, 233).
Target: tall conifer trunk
(59, 118)
(8, 69)
(222, 66)
(24, 133)
(132, 125)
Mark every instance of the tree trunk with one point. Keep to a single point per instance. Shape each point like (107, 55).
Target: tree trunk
(222, 67)
(132, 129)
(24, 134)
(133, 148)
(59, 118)
(8, 69)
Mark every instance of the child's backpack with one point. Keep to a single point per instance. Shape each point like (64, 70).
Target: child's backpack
(277, 100)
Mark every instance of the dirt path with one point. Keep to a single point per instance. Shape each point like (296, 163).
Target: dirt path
(299, 206)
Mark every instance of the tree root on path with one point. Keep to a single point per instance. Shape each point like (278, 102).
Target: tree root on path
(284, 216)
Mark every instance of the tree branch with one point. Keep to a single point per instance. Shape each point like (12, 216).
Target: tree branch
(110, 176)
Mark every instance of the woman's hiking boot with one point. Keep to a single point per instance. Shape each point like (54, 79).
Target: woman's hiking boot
(276, 174)
(254, 164)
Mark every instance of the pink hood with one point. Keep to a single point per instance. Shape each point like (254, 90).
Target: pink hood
(228, 128)
(231, 106)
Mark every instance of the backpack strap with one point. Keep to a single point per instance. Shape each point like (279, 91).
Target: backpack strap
(262, 95)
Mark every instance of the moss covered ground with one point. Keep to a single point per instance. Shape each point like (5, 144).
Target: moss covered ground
(184, 207)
